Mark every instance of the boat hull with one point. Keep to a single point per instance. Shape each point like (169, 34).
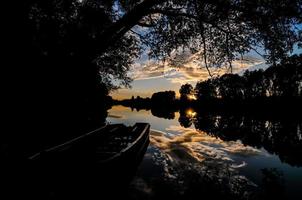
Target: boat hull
(83, 175)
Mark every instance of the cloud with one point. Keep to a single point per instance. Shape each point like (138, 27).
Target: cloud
(151, 76)
(115, 116)
(187, 68)
(148, 70)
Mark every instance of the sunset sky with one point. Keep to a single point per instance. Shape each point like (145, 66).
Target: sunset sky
(150, 76)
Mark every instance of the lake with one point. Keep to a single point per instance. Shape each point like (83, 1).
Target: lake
(230, 157)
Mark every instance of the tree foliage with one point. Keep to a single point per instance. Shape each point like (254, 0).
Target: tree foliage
(163, 98)
(111, 33)
(186, 90)
(219, 30)
(283, 80)
(70, 53)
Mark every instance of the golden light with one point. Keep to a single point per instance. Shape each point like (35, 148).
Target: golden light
(190, 113)
(192, 97)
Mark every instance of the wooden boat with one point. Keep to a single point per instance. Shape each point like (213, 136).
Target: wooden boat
(96, 163)
(108, 144)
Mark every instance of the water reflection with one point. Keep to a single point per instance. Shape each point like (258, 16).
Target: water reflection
(281, 137)
(218, 156)
(190, 113)
(194, 163)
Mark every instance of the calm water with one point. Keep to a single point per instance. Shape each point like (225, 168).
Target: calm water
(192, 154)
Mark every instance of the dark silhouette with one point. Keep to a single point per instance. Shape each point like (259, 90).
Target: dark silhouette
(184, 119)
(185, 91)
(260, 108)
(63, 57)
(89, 166)
(166, 113)
(163, 98)
(137, 103)
(282, 81)
(273, 184)
(277, 132)
(278, 135)
(161, 104)
(276, 91)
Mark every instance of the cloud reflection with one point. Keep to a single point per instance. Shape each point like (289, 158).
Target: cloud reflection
(181, 151)
(200, 144)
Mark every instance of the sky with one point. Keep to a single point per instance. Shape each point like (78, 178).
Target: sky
(150, 76)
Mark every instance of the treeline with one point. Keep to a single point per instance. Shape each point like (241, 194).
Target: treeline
(165, 98)
(281, 81)
(162, 104)
(276, 90)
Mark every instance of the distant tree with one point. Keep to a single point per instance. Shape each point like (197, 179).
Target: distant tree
(231, 86)
(163, 98)
(254, 84)
(283, 80)
(185, 91)
(206, 89)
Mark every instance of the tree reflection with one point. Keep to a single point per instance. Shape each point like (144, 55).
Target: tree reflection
(165, 113)
(272, 184)
(186, 117)
(278, 136)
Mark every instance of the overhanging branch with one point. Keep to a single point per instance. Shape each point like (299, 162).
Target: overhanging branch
(119, 28)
